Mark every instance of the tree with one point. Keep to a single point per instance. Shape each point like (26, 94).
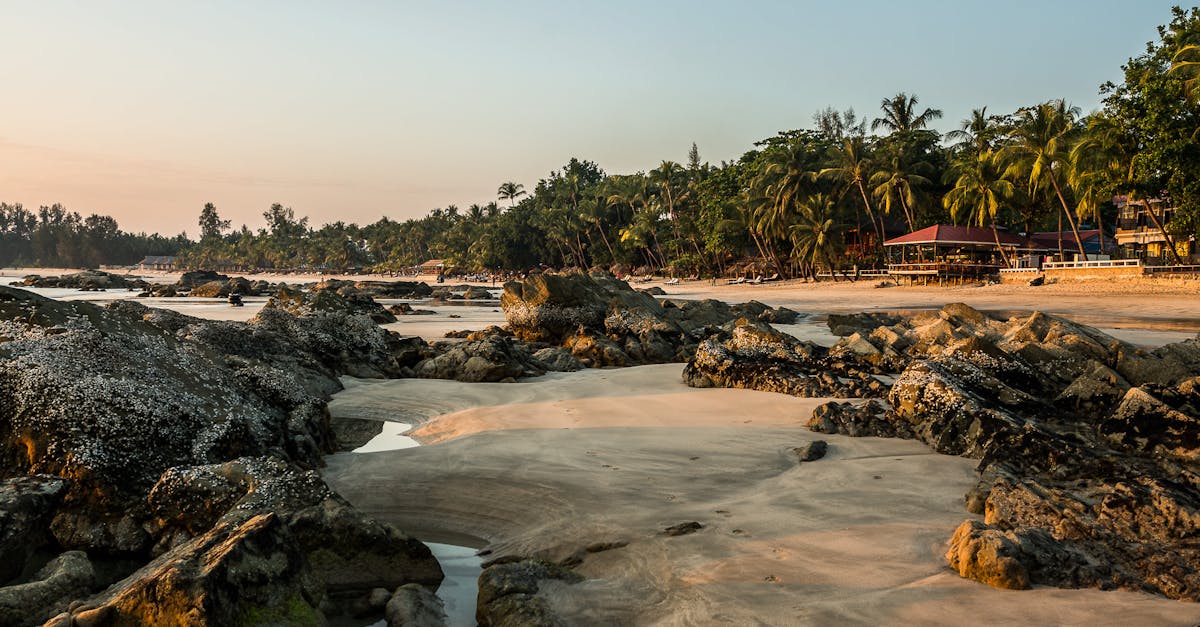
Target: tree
(853, 168)
(900, 115)
(1041, 141)
(979, 192)
(510, 191)
(815, 236)
(976, 134)
(211, 224)
(896, 184)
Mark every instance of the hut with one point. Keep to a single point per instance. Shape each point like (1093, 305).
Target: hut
(947, 252)
(159, 263)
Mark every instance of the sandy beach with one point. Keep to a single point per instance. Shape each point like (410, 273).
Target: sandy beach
(594, 465)
(554, 465)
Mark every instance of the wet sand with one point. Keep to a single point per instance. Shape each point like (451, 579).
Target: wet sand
(551, 466)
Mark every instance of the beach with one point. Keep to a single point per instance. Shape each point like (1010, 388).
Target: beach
(593, 467)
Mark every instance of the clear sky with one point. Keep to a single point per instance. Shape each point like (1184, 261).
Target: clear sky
(356, 110)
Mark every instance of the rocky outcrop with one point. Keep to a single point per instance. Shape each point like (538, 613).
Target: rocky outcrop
(508, 594)
(605, 322)
(27, 505)
(754, 356)
(328, 298)
(1087, 446)
(144, 433)
(490, 359)
(88, 280)
(63, 579)
(414, 605)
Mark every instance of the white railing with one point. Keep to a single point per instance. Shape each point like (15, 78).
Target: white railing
(1014, 270)
(1100, 263)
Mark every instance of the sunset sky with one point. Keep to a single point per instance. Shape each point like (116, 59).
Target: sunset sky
(356, 110)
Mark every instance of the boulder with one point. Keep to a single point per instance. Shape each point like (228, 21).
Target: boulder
(477, 293)
(328, 298)
(490, 359)
(63, 579)
(987, 555)
(195, 278)
(557, 359)
(27, 505)
(212, 289)
(414, 605)
(508, 593)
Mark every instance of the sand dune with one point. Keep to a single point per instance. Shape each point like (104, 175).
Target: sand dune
(554, 465)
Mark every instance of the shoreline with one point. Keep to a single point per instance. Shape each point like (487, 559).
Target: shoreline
(857, 536)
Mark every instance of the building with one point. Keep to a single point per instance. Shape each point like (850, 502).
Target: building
(1139, 235)
(433, 266)
(162, 264)
(1050, 240)
(944, 251)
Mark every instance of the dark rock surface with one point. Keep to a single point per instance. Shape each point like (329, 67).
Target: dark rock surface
(86, 280)
(414, 605)
(1087, 445)
(138, 433)
(752, 355)
(330, 297)
(508, 593)
(605, 322)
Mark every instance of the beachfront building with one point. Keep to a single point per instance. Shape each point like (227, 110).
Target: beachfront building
(955, 253)
(1139, 235)
(1065, 240)
(159, 263)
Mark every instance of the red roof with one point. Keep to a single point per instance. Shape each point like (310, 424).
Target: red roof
(1050, 238)
(945, 234)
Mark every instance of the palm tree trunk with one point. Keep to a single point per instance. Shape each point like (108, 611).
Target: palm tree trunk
(871, 214)
(996, 234)
(1070, 219)
(1166, 236)
(907, 215)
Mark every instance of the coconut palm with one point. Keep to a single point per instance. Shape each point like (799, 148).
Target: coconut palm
(853, 167)
(975, 134)
(510, 191)
(900, 115)
(1186, 62)
(1040, 149)
(979, 192)
(895, 185)
(815, 235)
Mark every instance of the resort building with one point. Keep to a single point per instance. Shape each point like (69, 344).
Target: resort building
(944, 251)
(163, 264)
(1054, 240)
(1139, 235)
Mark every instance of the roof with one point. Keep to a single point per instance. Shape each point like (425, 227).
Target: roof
(1052, 236)
(433, 263)
(157, 260)
(945, 234)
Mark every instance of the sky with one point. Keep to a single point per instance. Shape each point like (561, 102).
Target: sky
(353, 111)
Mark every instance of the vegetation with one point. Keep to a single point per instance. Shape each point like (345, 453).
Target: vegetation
(799, 201)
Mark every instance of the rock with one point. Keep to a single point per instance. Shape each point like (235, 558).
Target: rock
(477, 293)
(848, 324)
(194, 278)
(682, 529)
(248, 573)
(556, 359)
(654, 291)
(328, 298)
(493, 358)
(212, 289)
(89, 280)
(987, 555)
(866, 420)
(27, 505)
(1037, 281)
(413, 605)
(811, 451)
(755, 356)
(508, 593)
(66, 577)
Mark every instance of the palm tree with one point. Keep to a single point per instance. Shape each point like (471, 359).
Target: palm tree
(979, 192)
(895, 185)
(853, 167)
(900, 115)
(1187, 63)
(510, 191)
(975, 134)
(1039, 151)
(815, 235)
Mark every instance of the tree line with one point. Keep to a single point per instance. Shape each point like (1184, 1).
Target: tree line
(789, 202)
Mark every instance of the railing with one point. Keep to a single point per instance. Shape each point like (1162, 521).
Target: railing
(1099, 263)
(1016, 270)
(1172, 269)
(940, 268)
(850, 274)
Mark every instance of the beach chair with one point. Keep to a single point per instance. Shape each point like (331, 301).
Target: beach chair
(671, 281)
